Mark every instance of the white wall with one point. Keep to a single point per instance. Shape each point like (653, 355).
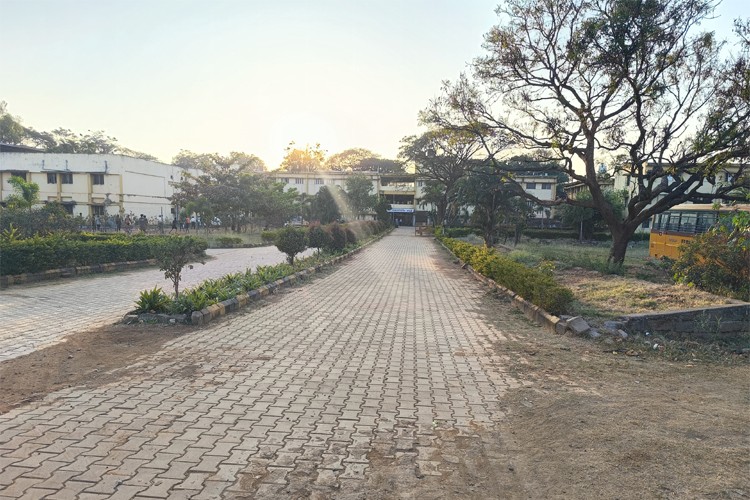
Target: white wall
(131, 185)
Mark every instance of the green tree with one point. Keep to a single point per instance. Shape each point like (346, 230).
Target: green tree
(719, 260)
(180, 252)
(349, 159)
(26, 193)
(586, 219)
(358, 189)
(291, 241)
(635, 79)
(229, 187)
(324, 205)
(309, 159)
(494, 201)
(11, 130)
(442, 156)
(317, 237)
(381, 210)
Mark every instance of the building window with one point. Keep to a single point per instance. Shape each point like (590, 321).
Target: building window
(97, 179)
(646, 224)
(531, 185)
(51, 178)
(284, 180)
(420, 183)
(319, 181)
(331, 181)
(97, 210)
(299, 180)
(22, 175)
(66, 178)
(546, 185)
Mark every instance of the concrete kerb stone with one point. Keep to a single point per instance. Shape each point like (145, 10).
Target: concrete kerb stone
(214, 311)
(531, 311)
(70, 272)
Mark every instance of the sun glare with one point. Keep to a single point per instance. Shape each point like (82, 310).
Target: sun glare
(303, 129)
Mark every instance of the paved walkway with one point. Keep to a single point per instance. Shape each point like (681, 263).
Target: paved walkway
(40, 314)
(289, 400)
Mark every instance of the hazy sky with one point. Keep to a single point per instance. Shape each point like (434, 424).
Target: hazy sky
(234, 75)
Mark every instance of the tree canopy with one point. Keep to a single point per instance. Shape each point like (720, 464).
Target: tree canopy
(362, 160)
(634, 81)
(442, 156)
(60, 140)
(358, 193)
(309, 159)
(233, 188)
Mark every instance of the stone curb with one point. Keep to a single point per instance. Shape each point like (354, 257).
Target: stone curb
(212, 312)
(69, 272)
(531, 311)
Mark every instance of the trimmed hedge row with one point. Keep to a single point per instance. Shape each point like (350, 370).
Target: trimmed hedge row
(42, 253)
(534, 286)
(334, 237)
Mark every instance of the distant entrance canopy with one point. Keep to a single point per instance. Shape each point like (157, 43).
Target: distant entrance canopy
(401, 210)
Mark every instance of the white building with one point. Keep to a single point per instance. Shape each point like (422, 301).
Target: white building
(403, 191)
(95, 184)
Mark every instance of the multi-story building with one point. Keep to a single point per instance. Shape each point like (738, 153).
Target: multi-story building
(403, 191)
(94, 184)
(621, 181)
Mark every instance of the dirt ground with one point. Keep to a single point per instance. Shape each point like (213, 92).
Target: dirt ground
(606, 296)
(586, 421)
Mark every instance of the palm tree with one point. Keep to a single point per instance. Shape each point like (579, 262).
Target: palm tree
(26, 195)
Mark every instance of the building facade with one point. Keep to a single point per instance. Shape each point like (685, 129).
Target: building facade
(95, 184)
(403, 191)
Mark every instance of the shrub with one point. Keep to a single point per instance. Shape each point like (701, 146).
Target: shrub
(717, 261)
(61, 250)
(536, 286)
(338, 237)
(317, 237)
(177, 253)
(291, 241)
(228, 241)
(155, 301)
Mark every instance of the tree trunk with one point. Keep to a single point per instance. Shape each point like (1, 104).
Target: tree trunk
(620, 238)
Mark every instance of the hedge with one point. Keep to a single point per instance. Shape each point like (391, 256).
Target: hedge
(57, 251)
(534, 286)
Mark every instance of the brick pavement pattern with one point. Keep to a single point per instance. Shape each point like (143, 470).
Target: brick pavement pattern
(39, 314)
(288, 399)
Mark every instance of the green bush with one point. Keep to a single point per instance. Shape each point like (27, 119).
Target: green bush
(155, 301)
(61, 250)
(536, 286)
(228, 241)
(338, 237)
(291, 241)
(215, 290)
(317, 237)
(717, 261)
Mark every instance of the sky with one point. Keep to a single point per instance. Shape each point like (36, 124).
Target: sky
(242, 75)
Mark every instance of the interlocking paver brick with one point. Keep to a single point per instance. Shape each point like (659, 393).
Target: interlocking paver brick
(291, 396)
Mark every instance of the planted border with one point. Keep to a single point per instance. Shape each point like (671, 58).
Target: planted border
(532, 285)
(215, 297)
(38, 254)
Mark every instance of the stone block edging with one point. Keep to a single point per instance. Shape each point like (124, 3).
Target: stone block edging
(722, 321)
(212, 312)
(531, 311)
(69, 272)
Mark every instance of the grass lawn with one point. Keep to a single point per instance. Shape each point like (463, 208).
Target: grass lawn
(605, 292)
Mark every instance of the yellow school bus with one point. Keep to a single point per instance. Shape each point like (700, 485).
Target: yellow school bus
(681, 224)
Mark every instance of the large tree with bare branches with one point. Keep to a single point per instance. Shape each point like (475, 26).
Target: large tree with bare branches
(632, 82)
